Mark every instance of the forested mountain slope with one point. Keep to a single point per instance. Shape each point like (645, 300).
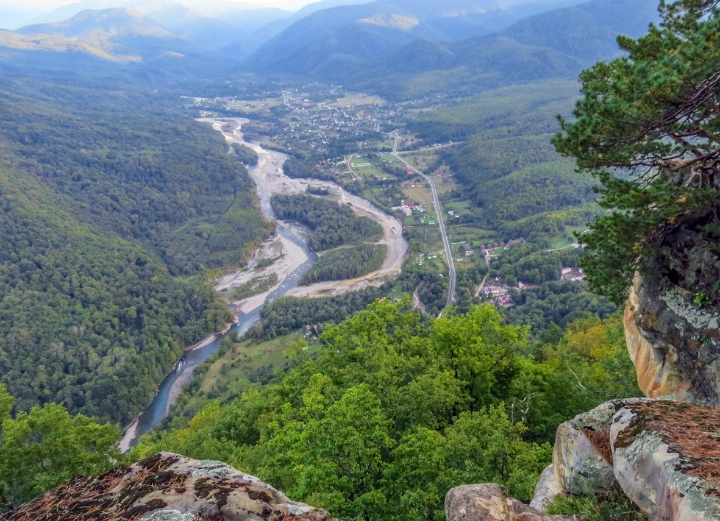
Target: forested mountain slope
(506, 160)
(328, 41)
(97, 189)
(99, 35)
(116, 22)
(553, 44)
(136, 170)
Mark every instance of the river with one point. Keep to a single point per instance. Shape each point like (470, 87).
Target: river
(160, 405)
(269, 179)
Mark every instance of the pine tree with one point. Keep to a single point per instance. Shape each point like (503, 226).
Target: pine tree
(648, 127)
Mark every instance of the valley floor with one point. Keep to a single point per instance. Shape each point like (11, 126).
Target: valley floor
(271, 180)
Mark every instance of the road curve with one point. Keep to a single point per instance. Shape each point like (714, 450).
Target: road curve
(441, 222)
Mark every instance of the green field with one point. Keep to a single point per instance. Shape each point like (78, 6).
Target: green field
(456, 206)
(392, 161)
(420, 160)
(231, 373)
(445, 184)
(368, 171)
(566, 238)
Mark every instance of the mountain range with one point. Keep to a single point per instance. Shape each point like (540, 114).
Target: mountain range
(212, 24)
(335, 38)
(554, 44)
(396, 48)
(117, 34)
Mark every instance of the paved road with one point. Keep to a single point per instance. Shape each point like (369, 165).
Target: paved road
(441, 221)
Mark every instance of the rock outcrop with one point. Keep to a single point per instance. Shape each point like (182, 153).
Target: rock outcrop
(667, 459)
(490, 502)
(665, 456)
(547, 489)
(167, 487)
(671, 323)
(582, 457)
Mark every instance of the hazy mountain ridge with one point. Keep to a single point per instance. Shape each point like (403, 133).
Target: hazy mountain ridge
(116, 34)
(555, 44)
(106, 23)
(211, 24)
(343, 35)
(50, 43)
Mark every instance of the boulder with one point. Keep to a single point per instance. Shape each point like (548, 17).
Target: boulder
(582, 458)
(490, 502)
(546, 490)
(667, 459)
(167, 487)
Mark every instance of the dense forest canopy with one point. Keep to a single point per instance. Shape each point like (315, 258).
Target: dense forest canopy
(395, 411)
(97, 189)
(556, 303)
(648, 128)
(47, 447)
(333, 224)
(346, 263)
(289, 314)
(134, 167)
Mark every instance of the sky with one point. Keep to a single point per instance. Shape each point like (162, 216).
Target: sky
(283, 4)
(17, 13)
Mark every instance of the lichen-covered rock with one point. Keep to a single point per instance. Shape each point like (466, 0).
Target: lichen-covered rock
(490, 502)
(582, 458)
(167, 487)
(667, 459)
(547, 489)
(673, 338)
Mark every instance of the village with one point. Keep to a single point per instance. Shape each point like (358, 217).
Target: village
(343, 134)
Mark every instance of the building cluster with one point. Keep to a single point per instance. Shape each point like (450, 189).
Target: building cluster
(408, 207)
(314, 120)
(498, 294)
(486, 248)
(574, 274)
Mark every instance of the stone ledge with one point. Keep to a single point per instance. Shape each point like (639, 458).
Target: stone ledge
(167, 487)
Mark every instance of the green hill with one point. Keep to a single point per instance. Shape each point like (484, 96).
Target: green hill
(104, 195)
(327, 42)
(554, 44)
(94, 37)
(115, 22)
(516, 180)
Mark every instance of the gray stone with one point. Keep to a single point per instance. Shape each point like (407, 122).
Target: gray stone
(667, 457)
(168, 487)
(546, 490)
(582, 457)
(490, 502)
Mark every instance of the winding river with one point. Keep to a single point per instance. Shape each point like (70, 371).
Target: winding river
(266, 175)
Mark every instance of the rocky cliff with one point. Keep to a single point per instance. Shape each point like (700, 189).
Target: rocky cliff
(673, 342)
(167, 487)
(663, 451)
(672, 319)
(664, 455)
